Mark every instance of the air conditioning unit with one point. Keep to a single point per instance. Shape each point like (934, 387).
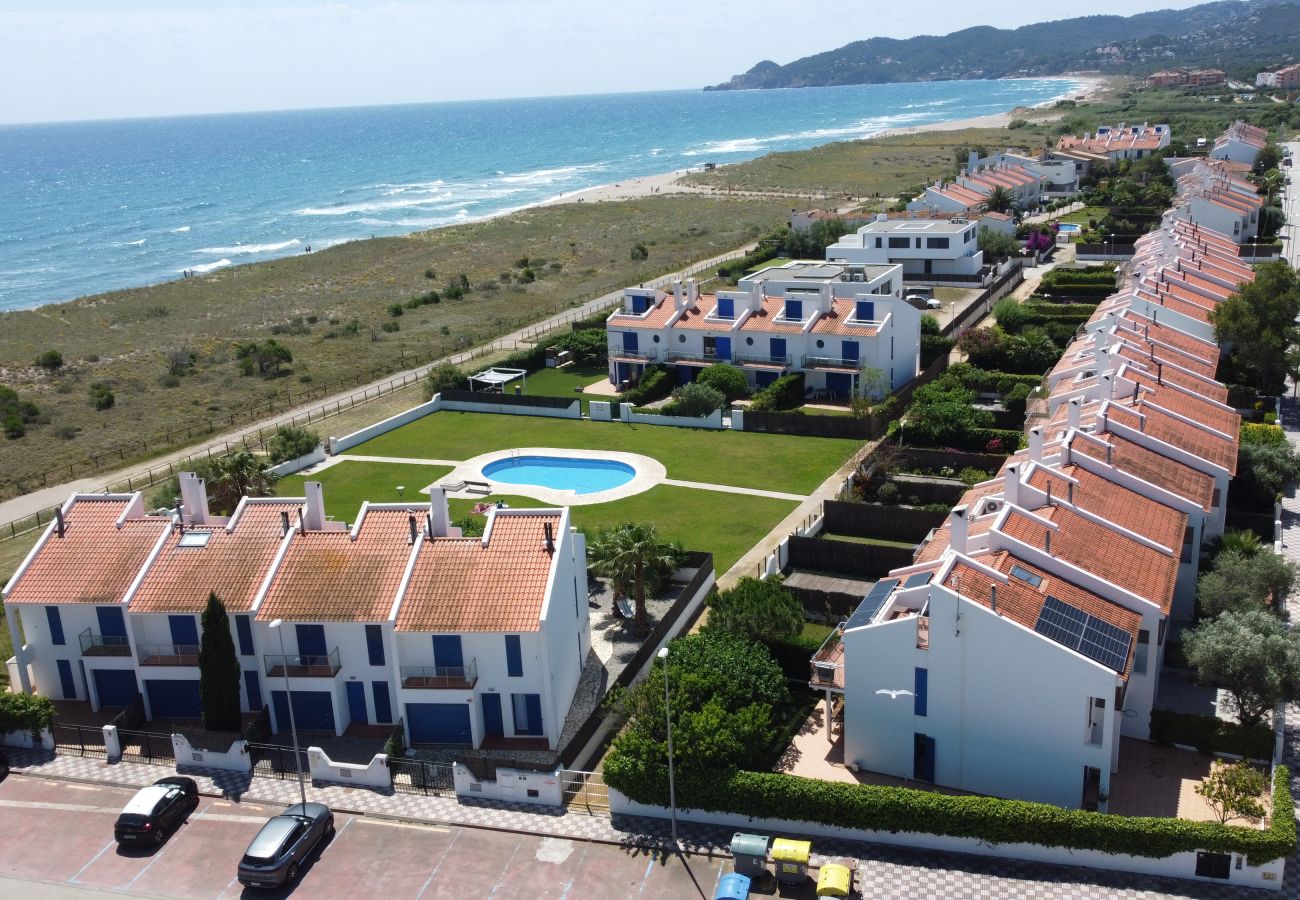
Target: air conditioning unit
(844, 277)
(859, 277)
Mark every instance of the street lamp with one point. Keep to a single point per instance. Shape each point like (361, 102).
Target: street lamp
(288, 701)
(401, 492)
(672, 784)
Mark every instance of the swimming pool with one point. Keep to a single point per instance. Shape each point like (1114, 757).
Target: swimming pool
(561, 473)
(1069, 228)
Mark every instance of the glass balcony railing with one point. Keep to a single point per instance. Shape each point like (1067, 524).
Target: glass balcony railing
(168, 654)
(440, 677)
(303, 666)
(104, 644)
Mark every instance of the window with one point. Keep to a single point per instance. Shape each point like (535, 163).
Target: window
(375, 644)
(245, 631)
(899, 243)
(877, 243)
(56, 624)
(1096, 719)
(726, 308)
(527, 709)
(1140, 652)
(194, 539)
(1026, 576)
(794, 310)
(1214, 501)
(919, 699)
(970, 235)
(514, 657)
(936, 243)
(640, 305)
(866, 311)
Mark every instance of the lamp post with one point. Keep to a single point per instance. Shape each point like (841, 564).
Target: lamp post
(401, 493)
(672, 784)
(277, 625)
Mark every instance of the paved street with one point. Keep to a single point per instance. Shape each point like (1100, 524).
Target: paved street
(1291, 207)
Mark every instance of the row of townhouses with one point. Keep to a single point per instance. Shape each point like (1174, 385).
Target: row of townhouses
(828, 321)
(1025, 642)
(470, 641)
(1113, 143)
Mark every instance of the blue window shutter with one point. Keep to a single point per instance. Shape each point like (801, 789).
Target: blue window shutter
(111, 621)
(245, 630)
(56, 624)
(919, 699)
(866, 311)
(447, 653)
(794, 309)
(375, 644)
(726, 308)
(514, 657)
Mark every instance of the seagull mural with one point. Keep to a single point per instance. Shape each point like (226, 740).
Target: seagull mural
(894, 695)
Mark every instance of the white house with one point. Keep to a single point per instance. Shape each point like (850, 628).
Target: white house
(1119, 141)
(926, 249)
(1241, 142)
(828, 321)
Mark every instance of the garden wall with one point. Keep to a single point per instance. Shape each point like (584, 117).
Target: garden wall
(338, 445)
(236, 759)
(929, 490)
(846, 557)
(510, 404)
(926, 458)
(877, 520)
(288, 467)
(713, 420)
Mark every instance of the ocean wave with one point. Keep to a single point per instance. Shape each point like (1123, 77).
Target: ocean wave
(426, 187)
(241, 249)
(548, 176)
(134, 243)
(207, 267)
(181, 230)
(862, 128)
(348, 209)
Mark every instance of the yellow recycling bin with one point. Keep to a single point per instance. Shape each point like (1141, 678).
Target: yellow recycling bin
(834, 880)
(791, 858)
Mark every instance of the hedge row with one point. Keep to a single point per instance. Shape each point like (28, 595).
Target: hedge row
(656, 382)
(981, 440)
(1076, 290)
(987, 381)
(991, 819)
(1052, 308)
(1211, 735)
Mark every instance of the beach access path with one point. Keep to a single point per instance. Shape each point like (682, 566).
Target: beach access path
(54, 495)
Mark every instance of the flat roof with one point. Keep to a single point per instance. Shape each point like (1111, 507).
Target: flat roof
(918, 226)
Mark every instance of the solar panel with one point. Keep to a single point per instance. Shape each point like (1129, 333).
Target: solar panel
(918, 579)
(871, 604)
(1071, 627)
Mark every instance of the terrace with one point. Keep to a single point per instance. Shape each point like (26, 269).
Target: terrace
(168, 654)
(440, 677)
(303, 666)
(93, 644)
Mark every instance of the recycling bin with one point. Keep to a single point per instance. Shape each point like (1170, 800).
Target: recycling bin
(749, 853)
(732, 886)
(834, 880)
(791, 858)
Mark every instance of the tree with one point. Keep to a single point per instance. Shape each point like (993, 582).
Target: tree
(1233, 790)
(985, 347)
(941, 413)
(230, 478)
(635, 558)
(1244, 581)
(725, 378)
(695, 400)
(290, 442)
(443, 377)
(997, 244)
(218, 670)
(1259, 323)
(762, 610)
(1263, 472)
(1252, 655)
(999, 200)
(873, 383)
(266, 358)
(639, 252)
(586, 345)
(50, 360)
(1238, 540)
(1269, 157)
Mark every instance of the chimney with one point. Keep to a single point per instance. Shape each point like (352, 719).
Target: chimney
(1011, 485)
(1074, 413)
(313, 517)
(284, 522)
(993, 597)
(1049, 491)
(439, 517)
(756, 296)
(692, 292)
(882, 217)
(194, 497)
(957, 529)
(1036, 443)
(58, 521)
(550, 537)
(678, 297)
(414, 530)
(1047, 541)
(178, 520)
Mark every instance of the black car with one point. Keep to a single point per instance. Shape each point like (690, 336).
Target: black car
(156, 810)
(277, 853)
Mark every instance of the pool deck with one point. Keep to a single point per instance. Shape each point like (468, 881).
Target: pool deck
(649, 472)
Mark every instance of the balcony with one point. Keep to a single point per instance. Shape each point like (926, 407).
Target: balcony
(761, 361)
(827, 663)
(168, 654)
(440, 678)
(703, 358)
(618, 354)
(301, 666)
(104, 644)
(831, 362)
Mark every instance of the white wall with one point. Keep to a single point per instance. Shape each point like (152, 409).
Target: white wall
(512, 786)
(338, 445)
(572, 411)
(565, 630)
(373, 775)
(288, 467)
(235, 759)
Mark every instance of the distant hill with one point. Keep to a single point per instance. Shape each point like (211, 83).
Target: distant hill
(1239, 37)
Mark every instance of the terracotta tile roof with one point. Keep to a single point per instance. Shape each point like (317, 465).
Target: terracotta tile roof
(1114, 503)
(94, 561)
(941, 540)
(232, 565)
(328, 577)
(1197, 408)
(459, 585)
(1117, 558)
(694, 317)
(1021, 602)
(1150, 466)
(1217, 449)
(656, 318)
(1202, 382)
(765, 318)
(837, 321)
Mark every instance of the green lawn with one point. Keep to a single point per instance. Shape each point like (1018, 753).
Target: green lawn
(743, 459)
(561, 383)
(350, 483)
(1081, 217)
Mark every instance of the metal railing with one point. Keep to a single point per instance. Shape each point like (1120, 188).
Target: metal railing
(83, 740)
(830, 362)
(275, 760)
(826, 666)
(741, 359)
(702, 357)
(104, 644)
(303, 665)
(643, 355)
(146, 746)
(168, 654)
(419, 776)
(440, 677)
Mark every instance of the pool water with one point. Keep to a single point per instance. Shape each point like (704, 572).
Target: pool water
(561, 473)
(1069, 228)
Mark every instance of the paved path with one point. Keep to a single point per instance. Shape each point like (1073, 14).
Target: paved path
(46, 498)
(1291, 207)
(729, 489)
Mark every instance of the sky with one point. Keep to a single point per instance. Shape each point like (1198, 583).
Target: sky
(66, 60)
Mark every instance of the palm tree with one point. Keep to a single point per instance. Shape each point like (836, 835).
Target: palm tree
(1243, 542)
(999, 200)
(238, 475)
(633, 557)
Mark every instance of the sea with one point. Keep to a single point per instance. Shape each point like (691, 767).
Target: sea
(88, 207)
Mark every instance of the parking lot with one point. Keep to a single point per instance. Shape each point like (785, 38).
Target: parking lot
(61, 833)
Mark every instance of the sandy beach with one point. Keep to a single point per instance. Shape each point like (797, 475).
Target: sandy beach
(667, 182)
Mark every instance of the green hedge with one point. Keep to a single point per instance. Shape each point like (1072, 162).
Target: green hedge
(989, 381)
(656, 382)
(991, 819)
(25, 712)
(1210, 735)
(785, 392)
(979, 440)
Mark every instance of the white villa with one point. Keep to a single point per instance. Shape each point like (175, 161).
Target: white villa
(926, 249)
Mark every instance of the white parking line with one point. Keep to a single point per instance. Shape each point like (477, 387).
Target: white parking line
(67, 807)
(77, 875)
(413, 825)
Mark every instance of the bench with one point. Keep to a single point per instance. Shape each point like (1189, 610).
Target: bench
(471, 487)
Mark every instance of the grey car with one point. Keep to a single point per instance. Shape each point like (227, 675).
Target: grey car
(276, 855)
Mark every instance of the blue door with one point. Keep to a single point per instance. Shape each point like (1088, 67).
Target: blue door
(311, 640)
(383, 708)
(185, 631)
(923, 757)
(630, 342)
(174, 699)
(493, 724)
(764, 377)
(528, 713)
(851, 350)
(447, 653)
(439, 723)
(722, 347)
(253, 687)
(685, 374)
(778, 348)
(312, 710)
(839, 384)
(357, 702)
(66, 683)
(622, 372)
(116, 687)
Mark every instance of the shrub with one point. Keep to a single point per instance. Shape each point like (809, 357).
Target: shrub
(1210, 734)
(25, 712)
(929, 324)
(1009, 313)
(395, 310)
(785, 392)
(586, 345)
(761, 610)
(656, 382)
(1017, 399)
(726, 379)
(101, 397)
(290, 442)
(695, 400)
(639, 252)
(444, 377)
(430, 274)
(390, 327)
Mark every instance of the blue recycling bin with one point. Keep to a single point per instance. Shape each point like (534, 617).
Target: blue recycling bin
(732, 886)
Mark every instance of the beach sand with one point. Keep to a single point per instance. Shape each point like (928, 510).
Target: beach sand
(667, 183)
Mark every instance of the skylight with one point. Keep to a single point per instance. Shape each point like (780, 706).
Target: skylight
(195, 539)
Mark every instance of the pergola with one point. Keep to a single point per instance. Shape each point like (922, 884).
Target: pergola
(495, 379)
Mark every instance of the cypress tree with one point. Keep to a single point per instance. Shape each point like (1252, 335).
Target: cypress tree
(218, 670)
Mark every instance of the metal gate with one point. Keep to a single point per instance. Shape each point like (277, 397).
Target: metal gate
(146, 747)
(83, 740)
(585, 792)
(277, 761)
(418, 776)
